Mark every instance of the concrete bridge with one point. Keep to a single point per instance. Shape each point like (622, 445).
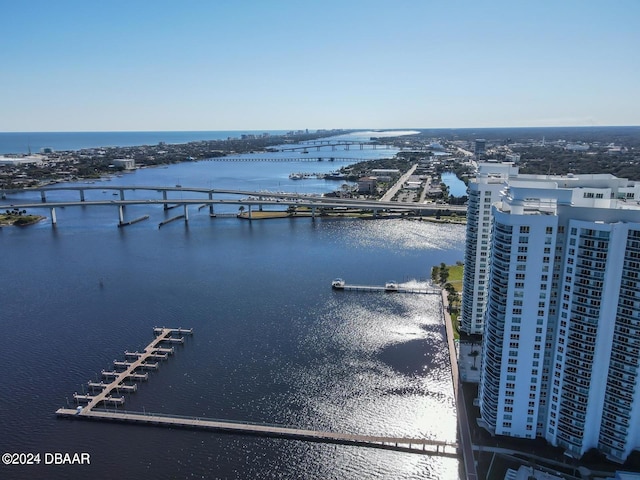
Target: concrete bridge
(205, 197)
(346, 144)
(313, 158)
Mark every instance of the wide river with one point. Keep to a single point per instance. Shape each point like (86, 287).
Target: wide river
(272, 342)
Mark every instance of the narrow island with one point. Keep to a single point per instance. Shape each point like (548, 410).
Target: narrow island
(18, 218)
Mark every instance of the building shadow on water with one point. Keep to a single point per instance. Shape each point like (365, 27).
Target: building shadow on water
(411, 358)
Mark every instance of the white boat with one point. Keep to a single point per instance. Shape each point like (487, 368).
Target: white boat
(338, 283)
(391, 286)
(296, 176)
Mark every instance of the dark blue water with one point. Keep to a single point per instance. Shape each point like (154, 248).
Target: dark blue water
(272, 343)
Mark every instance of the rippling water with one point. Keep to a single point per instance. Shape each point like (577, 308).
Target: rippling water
(272, 343)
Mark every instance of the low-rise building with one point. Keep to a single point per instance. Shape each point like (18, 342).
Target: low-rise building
(17, 161)
(126, 163)
(367, 184)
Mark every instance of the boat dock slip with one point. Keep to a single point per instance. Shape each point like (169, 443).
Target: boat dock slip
(168, 351)
(179, 331)
(411, 445)
(130, 372)
(107, 399)
(174, 340)
(154, 356)
(144, 365)
(122, 387)
(138, 377)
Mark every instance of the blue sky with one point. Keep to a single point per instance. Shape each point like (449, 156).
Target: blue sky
(289, 64)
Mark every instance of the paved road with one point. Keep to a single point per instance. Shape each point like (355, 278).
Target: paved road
(393, 190)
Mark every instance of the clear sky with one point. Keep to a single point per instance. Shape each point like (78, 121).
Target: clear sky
(292, 64)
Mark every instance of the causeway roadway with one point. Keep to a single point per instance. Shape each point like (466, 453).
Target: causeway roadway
(247, 198)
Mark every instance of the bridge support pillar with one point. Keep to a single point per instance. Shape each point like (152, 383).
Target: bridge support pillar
(375, 213)
(313, 212)
(54, 219)
(164, 197)
(211, 212)
(122, 194)
(82, 195)
(250, 217)
(43, 196)
(260, 207)
(186, 213)
(120, 215)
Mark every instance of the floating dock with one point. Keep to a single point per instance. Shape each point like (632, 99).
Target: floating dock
(106, 399)
(154, 356)
(138, 377)
(130, 372)
(122, 387)
(178, 331)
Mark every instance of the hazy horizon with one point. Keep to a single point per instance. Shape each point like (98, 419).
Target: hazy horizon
(285, 130)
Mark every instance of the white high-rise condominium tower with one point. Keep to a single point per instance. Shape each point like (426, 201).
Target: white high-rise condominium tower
(561, 326)
(482, 192)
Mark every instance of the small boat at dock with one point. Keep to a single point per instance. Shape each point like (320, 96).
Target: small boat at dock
(391, 286)
(338, 283)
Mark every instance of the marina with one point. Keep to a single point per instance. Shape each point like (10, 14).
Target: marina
(93, 407)
(130, 371)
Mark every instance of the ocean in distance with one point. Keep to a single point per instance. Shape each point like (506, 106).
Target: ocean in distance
(272, 342)
(23, 142)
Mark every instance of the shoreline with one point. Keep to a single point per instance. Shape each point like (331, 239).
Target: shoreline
(11, 221)
(95, 162)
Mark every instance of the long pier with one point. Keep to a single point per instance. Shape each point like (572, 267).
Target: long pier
(305, 147)
(312, 158)
(389, 288)
(411, 445)
(104, 397)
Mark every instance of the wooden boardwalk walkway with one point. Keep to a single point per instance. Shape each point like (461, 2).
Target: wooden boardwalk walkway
(412, 445)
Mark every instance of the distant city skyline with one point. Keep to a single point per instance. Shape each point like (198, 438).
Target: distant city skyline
(202, 66)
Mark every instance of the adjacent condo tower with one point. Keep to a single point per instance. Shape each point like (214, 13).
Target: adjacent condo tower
(557, 297)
